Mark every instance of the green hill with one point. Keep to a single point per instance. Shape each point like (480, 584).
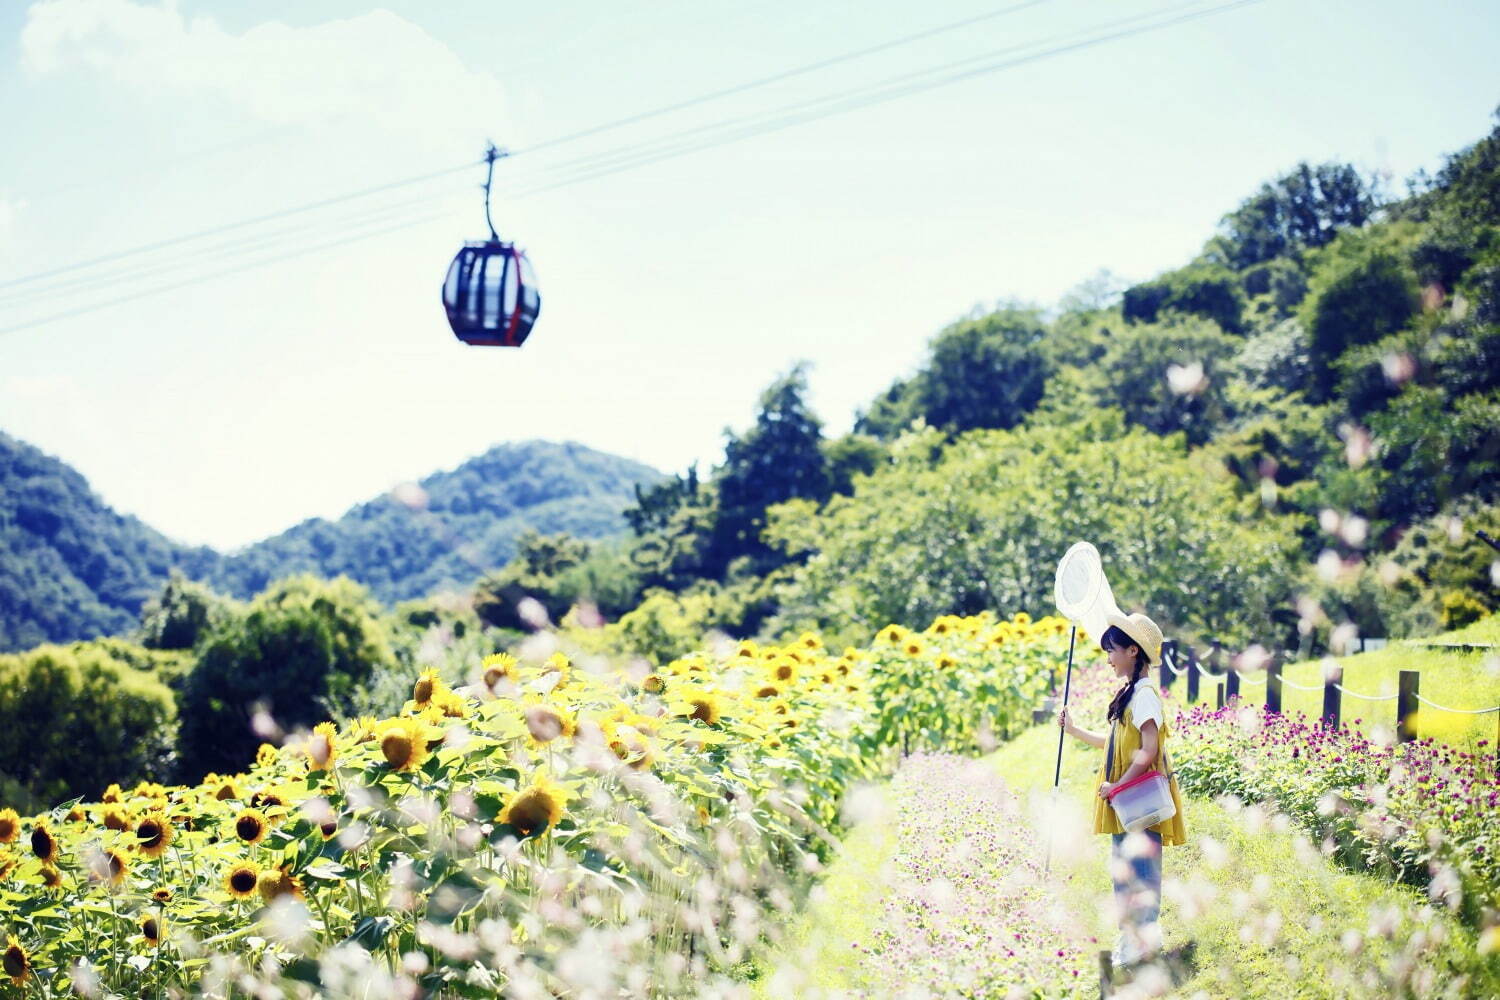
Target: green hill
(73, 568)
(459, 525)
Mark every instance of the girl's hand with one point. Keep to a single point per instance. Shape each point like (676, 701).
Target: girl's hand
(1105, 787)
(1062, 721)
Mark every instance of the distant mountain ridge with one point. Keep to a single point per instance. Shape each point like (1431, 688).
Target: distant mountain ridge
(73, 568)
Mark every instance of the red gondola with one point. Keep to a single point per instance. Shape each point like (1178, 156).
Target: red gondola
(490, 292)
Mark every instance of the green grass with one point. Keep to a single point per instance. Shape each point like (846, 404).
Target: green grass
(1453, 678)
(842, 909)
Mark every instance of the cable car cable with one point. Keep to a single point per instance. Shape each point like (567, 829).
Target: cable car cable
(547, 143)
(852, 101)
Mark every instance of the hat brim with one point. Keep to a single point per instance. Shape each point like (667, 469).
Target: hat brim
(1128, 627)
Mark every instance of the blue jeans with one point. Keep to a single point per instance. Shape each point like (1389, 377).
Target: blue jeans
(1138, 893)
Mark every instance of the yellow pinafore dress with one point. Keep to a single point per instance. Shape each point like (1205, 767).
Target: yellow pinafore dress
(1127, 741)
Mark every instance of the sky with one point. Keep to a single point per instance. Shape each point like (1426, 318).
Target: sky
(227, 387)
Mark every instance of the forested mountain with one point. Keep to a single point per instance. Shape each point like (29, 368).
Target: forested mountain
(71, 568)
(453, 526)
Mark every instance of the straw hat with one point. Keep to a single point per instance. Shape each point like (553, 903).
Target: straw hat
(1143, 630)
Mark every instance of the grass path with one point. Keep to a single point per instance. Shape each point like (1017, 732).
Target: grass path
(1271, 917)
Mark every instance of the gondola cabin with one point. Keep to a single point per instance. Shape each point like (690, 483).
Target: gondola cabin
(490, 295)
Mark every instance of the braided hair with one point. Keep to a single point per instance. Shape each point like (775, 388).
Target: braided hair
(1115, 637)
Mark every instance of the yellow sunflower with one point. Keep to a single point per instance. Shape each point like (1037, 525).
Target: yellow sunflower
(227, 790)
(153, 833)
(274, 882)
(151, 930)
(702, 705)
(112, 794)
(322, 746)
(250, 826)
(403, 743)
(946, 662)
(8, 862)
(500, 667)
(265, 755)
(242, 879)
(809, 641)
(109, 866)
(16, 962)
(913, 647)
(891, 635)
(162, 896)
(43, 844)
(784, 671)
(768, 691)
(536, 807)
(428, 684)
(653, 684)
(118, 818)
(51, 877)
(10, 826)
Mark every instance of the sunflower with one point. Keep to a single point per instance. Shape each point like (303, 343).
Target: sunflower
(274, 882)
(768, 691)
(946, 662)
(1022, 618)
(242, 879)
(536, 807)
(500, 667)
(546, 722)
(16, 963)
(810, 641)
(265, 755)
(8, 862)
(913, 647)
(250, 826)
(451, 704)
(117, 818)
(227, 790)
(891, 634)
(653, 684)
(940, 627)
(162, 896)
(151, 930)
(112, 794)
(43, 844)
(403, 743)
(51, 877)
(558, 664)
(109, 866)
(628, 744)
(328, 829)
(322, 746)
(153, 833)
(784, 671)
(76, 815)
(428, 684)
(701, 705)
(364, 729)
(10, 826)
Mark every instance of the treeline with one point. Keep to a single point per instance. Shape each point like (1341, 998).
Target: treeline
(72, 568)
(204, 679)
(1298, 429)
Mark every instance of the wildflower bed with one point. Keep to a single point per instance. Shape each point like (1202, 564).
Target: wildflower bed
(548, 827)
(1420, 813)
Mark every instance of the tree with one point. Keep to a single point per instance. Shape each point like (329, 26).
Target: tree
(985, 372)
(1354, 298)
(1211, 292)
(781, 457)
(983, 528)
(1302, 209)
(181, 614)
(303, 651)
(77, 719)
(1138, 370)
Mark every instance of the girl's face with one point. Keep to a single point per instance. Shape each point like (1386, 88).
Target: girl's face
(1122, 659)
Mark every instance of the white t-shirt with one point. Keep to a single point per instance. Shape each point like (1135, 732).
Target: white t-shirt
(1145, 703)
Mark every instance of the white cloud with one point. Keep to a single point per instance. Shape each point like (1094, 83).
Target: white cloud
(377, 67)
(10, 209)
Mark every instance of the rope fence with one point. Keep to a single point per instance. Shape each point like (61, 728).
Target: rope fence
(1178, 660)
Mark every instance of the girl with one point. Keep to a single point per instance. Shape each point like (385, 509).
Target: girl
(1139, 731)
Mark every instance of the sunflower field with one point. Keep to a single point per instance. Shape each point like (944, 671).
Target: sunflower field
(557, 825)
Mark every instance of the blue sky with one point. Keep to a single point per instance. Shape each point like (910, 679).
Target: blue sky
(231, 408)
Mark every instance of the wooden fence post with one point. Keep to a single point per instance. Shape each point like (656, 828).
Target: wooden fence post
(1192, 676)
(1166, 671)
(1331, 700)
(1220, 686)
(1232, 683)
(1406, 707)
(1273, 685)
